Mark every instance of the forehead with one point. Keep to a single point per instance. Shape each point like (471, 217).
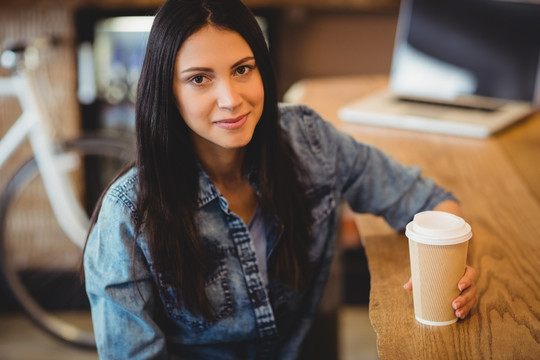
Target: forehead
(212, 44)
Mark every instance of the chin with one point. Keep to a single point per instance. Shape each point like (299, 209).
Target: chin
(238, 144)
(234, 146)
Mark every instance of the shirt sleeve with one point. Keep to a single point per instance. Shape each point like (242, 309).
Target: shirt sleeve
(370, 180)
(380, 185)
(120, 286)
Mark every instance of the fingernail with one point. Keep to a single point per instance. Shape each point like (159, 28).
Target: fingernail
(461, 286)
(455, 305)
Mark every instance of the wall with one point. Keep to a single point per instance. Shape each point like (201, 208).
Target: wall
(313, 43)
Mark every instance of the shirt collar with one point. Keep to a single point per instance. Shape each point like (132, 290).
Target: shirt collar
(208, 191)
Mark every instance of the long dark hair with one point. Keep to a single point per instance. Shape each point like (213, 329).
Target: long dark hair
(168, 180)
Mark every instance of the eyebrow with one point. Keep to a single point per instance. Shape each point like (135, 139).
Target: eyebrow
(204, 69)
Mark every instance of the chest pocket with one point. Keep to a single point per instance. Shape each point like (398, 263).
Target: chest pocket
(217, 289)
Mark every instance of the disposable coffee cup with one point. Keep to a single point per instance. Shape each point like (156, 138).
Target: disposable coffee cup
(438, 243)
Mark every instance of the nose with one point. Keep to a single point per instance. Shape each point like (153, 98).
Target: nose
(228, 96)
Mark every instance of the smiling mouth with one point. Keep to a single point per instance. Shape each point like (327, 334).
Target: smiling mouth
(232, 124)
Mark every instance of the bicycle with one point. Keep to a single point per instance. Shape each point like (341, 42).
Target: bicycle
(54, 174)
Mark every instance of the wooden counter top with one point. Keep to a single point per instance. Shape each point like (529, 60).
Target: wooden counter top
(498, 181)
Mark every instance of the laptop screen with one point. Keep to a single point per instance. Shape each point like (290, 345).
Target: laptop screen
(465, 51)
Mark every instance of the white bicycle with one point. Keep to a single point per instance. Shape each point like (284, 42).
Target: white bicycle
(44, 206)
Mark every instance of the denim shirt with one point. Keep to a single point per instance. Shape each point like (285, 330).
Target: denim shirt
(135, 313)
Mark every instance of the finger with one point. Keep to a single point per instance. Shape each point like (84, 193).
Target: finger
(465, 302)
(466, 297)
(408, 285)
(468, 278)
(464, 311)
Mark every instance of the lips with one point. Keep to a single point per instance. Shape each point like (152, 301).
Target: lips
(232, 124)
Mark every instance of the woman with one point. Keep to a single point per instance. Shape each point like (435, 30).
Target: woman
(218, 242)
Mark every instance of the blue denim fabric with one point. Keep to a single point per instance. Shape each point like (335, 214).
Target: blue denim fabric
(135, 313)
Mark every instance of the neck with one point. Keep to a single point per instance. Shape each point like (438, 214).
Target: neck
(223, 166)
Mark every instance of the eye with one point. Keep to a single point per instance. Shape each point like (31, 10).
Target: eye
(244, 69)
(197, 80)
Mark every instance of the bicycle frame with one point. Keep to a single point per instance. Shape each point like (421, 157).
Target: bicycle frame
(32, 124)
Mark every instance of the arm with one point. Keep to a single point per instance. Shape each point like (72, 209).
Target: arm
(120, 289)
(372, 182)
(369, 180)
(467, 299)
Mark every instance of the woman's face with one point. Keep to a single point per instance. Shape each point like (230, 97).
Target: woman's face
(218, 89)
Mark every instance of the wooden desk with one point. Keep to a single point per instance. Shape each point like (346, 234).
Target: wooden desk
(498, 182)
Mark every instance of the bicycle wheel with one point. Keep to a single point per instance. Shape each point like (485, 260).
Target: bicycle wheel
(40, 264)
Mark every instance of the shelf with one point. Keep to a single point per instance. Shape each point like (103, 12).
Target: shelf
(368, 5)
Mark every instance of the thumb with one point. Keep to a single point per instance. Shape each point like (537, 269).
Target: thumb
(408, 285)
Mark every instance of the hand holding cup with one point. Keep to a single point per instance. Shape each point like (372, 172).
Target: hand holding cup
(444, 288)
(464, 303)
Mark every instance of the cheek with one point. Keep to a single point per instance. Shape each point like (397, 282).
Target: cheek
(256, 94)
(187, 103)
(191, 108)
(178, 101)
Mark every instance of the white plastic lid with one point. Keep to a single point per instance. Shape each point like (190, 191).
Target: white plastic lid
(438, 228)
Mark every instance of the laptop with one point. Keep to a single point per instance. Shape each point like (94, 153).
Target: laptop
(459, 67)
